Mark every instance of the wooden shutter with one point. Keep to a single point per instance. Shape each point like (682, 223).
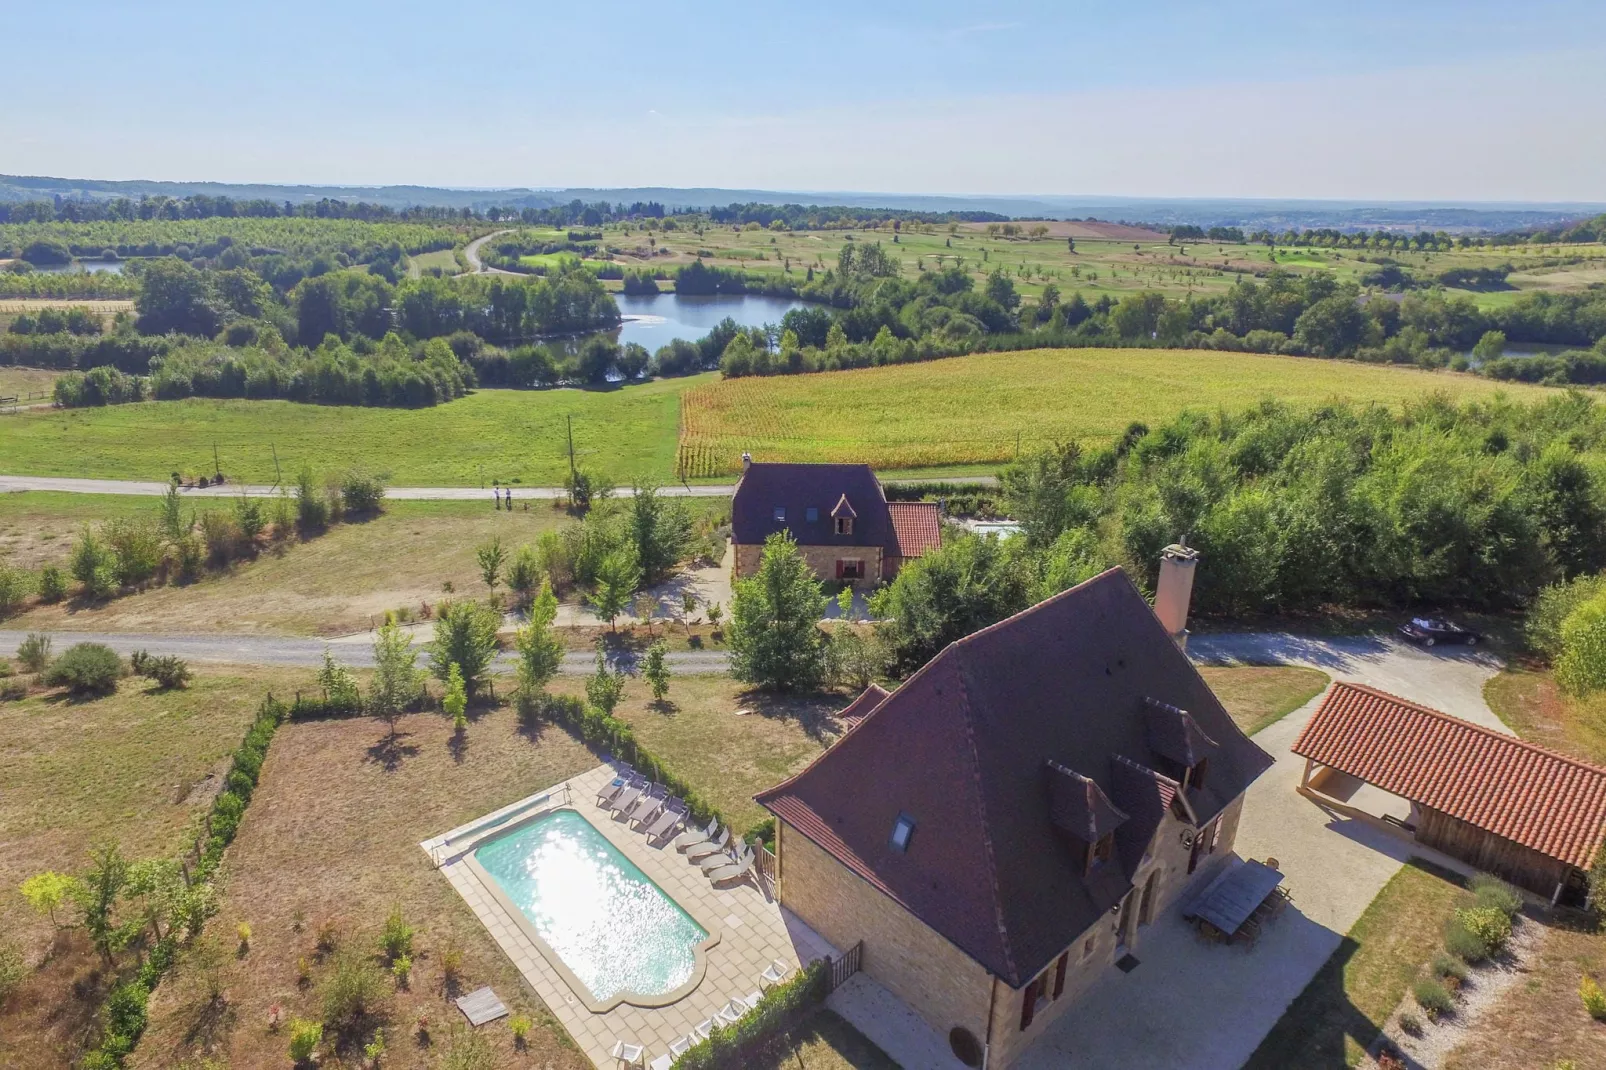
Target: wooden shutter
(1028, 1006)
(1059, 974)
(839, 564)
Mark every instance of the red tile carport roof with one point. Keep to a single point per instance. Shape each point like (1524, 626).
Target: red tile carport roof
(916, 528)
(1546, 801)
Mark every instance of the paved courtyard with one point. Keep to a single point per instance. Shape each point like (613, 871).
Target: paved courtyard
(752, 929)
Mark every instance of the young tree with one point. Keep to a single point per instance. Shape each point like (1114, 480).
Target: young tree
(688, 607)
(660, 528)
(655, 670)
(338, 685)
(97, 896)
(524, 571)
(491, 557)
(775, 636)
(455, 702)
(465, 637)
(397, 678)
(644, 607)
(844, 604)
(170, 514)
(617, 579)
(540, 649)
(604, 688)
(47, 891)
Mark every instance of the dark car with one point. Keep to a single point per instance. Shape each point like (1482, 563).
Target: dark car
(1431, 631)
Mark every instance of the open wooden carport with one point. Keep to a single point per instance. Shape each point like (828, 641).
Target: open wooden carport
(1524, 813)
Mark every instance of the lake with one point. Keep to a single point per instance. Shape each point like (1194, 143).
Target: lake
(655, 320)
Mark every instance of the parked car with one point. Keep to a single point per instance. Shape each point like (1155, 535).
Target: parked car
(1431, 631)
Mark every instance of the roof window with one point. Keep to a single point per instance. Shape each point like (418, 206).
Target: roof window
(903, 831)
(780, 512)
(811, 514)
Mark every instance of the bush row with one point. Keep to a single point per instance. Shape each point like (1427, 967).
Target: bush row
(759, 1033)
(126, 1010)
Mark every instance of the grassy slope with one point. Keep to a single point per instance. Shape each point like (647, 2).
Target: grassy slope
(492, 434)
(975, 409)
(1338, 1015)
(18, 382)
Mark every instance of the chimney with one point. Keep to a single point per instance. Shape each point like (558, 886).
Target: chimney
(1175, 589)
(747, 461)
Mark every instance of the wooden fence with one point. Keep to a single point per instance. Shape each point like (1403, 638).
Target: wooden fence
(845, 965)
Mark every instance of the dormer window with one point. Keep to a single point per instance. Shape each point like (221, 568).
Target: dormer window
(1102, 851)
(844, 525)
(780, 513)
(903, 831)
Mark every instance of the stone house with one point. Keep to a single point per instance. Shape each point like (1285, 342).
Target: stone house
(1000, 829)
(837, 514)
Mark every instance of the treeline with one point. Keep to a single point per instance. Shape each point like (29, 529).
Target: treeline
(817, 217)
(201, 206)
(1478, 505)
(883, 318)
(1588, 230)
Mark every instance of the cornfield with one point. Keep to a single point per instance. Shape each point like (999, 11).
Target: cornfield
(984, 409)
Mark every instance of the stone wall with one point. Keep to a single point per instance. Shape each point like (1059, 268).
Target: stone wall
(822, 559)
(938, 981)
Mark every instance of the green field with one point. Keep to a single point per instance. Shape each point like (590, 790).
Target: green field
(966, 411)
(445, 259)
(490, 435)
(980, 409)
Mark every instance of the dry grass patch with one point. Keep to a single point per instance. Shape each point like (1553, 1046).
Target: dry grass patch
(339, 582)
(131, 767)
(19, 382)
(331, 838)
(1258, 696)
(827, 1042)
(1527, 699)
(729, 758)
(37, 527)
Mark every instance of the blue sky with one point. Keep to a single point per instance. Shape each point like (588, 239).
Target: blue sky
(1401, 100)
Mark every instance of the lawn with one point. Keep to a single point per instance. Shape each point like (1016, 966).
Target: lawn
(445, 259)
(332, 838)
(130, 768)
(1527, 699)
(827, 1042)
(983, 408)
(1341, 1011)
(339, 582)
(20, 382)
(507, 435)
(1258, 696)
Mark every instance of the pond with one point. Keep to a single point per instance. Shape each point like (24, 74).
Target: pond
(655, 320)
(110, 267)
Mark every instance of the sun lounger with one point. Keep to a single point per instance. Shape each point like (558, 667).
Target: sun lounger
(704, 1027)
(626, 799)
(715, 846)
(752, 998)
(663, 1062)
(713, 862)
(610, 791)
(680, 1045)
(735, 871)
(730, 1013)
(774, 974)
(627, 1054)
(670, 818)
(692, 837)
(648, 805)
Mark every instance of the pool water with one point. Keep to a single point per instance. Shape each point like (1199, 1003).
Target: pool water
(612, 926)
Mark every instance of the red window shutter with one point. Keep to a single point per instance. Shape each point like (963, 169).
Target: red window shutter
(1059, 974)
(1028, 1006)
(839, 569)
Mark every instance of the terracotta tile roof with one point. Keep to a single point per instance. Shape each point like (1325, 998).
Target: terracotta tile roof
(916, 528)
(960, 747)
(1546, 801)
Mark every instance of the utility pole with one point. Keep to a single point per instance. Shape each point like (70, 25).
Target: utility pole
(278, 476)
(569, 420)
(217, 467)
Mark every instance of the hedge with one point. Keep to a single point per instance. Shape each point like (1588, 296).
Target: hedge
(126, 1007)
(761, 1031)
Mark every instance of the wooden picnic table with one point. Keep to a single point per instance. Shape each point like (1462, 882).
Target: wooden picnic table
(1231, 902)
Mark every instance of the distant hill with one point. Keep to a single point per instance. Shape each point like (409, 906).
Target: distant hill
(1274, 215)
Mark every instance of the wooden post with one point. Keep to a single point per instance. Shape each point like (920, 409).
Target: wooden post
(1304, 778)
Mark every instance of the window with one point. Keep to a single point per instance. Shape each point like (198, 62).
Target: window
(811, 514)
(966, 1048)
(1100, 851)
(1032, 997)
(903, 830)
(1087, 949)
(780, 512)
(1059, 974)
(1196, 778)
(850, 570)
(844, 525)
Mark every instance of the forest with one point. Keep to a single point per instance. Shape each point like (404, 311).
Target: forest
(1474, 505)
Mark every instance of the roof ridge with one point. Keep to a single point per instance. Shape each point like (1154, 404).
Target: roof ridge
(1141, 768)
(1463, 722)
(966, 719)
(1052, 600)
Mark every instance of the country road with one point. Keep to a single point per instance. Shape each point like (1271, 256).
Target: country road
(355, 651)
(471, 253)
(154, 488)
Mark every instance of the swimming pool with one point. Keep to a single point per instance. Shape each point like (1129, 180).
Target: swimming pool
(615, 930)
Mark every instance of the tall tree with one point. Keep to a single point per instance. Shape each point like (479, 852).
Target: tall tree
(540, 649)
(397, 678)
(465, 636)
(775, 637)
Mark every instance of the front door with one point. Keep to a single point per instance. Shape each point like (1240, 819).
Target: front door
(1123, 929)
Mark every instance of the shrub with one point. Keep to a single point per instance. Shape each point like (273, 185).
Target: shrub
(222, 536)
(328, 936)
(1495, 894)
(1553, 606)
(361, 494)
(1594, 999)
(1411, 1024)
(1491, 927)
(169, 672)
(759, 1030)
(1581, 667)
(524, 571)
(92, 564)
(305, 1037)
(312, 512)
(402, 969)
(15, 586)
(34, 652)
(1447, 965)
(13, 689)
(520, 1024)
(1433, 998)
(13, 970)
(136, 549)
(452, 964)
(52, 584)
(353, 990)
(396, 939)
(87, 668)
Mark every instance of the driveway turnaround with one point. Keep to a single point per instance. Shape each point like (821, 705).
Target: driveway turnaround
(1196, 1006)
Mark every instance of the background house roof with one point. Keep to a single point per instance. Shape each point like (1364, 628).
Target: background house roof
(1546, 801)
(916, 528)
(961, 747)
(799, 487)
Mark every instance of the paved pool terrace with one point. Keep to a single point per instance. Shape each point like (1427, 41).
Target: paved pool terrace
(752, 928)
